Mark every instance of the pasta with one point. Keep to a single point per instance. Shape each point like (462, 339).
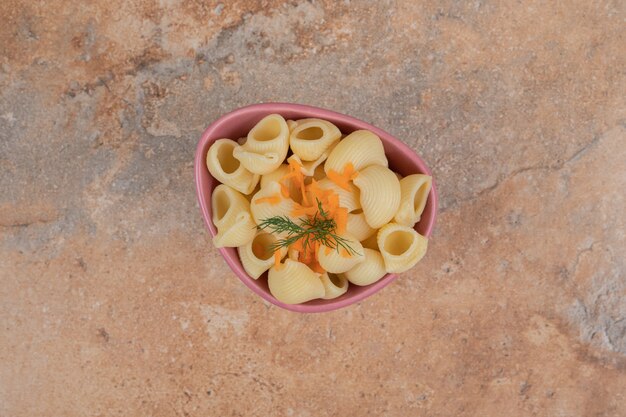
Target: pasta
(401, 247)
(361, 148)
(330, 214)
(257, 255)
(339, 260)
(231, 216)
(369, 271)
(293, 283)
(414, 191)
(270, 202)
(225, 168)
(266, 145)
(312, 137)
(334, 285)
(380, 194)
(357, 226)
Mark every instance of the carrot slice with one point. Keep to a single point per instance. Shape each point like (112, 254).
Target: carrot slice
(341, 220)
(277, 263)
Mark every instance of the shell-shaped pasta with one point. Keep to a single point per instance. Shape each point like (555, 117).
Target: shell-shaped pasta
(371, 242)
(357, 226)
(414, 191)
(362, 148)
(231, 216)
(338, 261)
(227, 169)
(293, 283)
(259, 163)
(334, 285)
(369, 271)
(264, 209)
(309, 167)
(380, 194)
(312, 137)
(401, 247)
(350, 199)
(266, 145)
(271, 134)
(257, 256)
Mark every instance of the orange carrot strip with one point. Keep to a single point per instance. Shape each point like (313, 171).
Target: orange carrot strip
(339, 179)
(315, 266)
(284, 190)
(277, 264)
(341, 220)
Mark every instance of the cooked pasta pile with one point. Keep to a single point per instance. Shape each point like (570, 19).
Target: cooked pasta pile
(330, 214)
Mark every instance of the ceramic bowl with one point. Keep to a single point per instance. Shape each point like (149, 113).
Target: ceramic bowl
(236, 124)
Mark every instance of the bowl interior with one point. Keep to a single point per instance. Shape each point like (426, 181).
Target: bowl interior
(237, 124)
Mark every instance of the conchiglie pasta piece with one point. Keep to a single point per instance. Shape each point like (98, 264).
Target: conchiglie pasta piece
(312, 137)
(259, 163)
(334, 285)
(266, 145)
(361, 148)
(231, 216)
(348, 199)
(257, 255)
(270, 202)
(340, 260)
(401, 247)
(369, 271)
(380, 194)
(294, 283)
(225, 168)
(357, 226)
(271, 134)
(414, 191)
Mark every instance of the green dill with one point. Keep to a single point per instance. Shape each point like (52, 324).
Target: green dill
(319, 228)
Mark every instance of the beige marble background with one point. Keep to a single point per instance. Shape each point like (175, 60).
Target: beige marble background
(113, 301)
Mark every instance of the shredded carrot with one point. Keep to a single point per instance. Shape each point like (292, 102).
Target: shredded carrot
(312, 195)
(341, 220)
(343, 179)
(302, 210)
(272, 199)
(277, 263)
(315, 266)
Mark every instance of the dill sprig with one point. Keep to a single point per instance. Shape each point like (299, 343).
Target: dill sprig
(319, 228)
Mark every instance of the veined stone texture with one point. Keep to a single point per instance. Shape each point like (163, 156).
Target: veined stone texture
(114, 302)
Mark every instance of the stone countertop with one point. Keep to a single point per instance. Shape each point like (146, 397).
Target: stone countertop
(114, 302)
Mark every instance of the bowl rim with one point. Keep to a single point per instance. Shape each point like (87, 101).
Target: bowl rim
(276, 107)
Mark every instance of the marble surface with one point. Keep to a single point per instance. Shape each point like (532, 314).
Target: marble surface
(114, 302)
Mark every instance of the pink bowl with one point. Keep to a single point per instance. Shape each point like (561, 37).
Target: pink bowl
(237, 123)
